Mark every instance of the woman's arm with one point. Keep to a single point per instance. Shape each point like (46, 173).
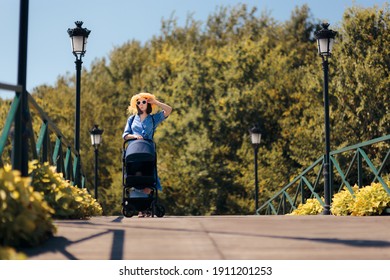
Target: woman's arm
(128, 132)
(132, 136)
(167, 109)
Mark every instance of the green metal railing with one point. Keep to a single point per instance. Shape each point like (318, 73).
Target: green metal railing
(18, 132)
(51, 145)
(309, 184)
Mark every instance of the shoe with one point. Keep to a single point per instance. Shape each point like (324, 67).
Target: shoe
(141, 215)
(148, 214)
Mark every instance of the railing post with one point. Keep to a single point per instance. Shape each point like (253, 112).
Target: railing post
(57, 156)
(302, 193)
(76, 172)
(331, 176)
(359, 168)
(68, 164)
(45, 146)
(42, 142)
(384, 162)
(8, 125)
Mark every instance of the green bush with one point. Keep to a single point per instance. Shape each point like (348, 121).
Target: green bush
(25, 217)
(311, 207)
(67, 201)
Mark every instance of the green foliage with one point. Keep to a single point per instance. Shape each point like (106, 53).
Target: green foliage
(25, 217)
(67, 201)
(311, 207)
(362, 79)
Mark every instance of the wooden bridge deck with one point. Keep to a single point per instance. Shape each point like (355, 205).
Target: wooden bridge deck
(219, 238)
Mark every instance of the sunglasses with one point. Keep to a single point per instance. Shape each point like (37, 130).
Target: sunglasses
(143, 102)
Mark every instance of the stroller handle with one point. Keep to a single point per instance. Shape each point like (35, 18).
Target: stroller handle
(128, 140)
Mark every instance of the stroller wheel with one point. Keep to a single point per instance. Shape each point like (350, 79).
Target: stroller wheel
(159, 210)
(128, 211)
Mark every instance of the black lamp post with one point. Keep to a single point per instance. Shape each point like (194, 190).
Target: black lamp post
(255, 139)
(96, 139)
(20, 141)
(325, 39)
(78, 38)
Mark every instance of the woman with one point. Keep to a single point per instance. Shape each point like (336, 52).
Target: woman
(142, 124)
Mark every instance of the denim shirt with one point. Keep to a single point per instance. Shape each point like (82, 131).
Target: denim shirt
(143, 128)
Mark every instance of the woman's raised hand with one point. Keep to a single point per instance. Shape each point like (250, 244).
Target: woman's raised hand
(152, 101)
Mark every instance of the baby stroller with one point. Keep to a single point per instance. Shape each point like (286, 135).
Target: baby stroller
(139, 171)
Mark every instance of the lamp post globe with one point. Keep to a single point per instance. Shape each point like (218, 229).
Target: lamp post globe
(78, 36)
(96, 136)
(255, 134)
(325, 40)
(96, 140)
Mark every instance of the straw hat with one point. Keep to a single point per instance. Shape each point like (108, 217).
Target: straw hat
(133, 103)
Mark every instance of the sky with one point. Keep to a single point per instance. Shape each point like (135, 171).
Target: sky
(115, 22)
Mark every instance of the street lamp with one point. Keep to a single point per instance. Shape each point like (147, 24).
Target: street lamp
(325, 39)
(78, 38)
(255, 139)
(96, 139)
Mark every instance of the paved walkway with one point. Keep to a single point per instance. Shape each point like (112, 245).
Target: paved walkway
(219, 238)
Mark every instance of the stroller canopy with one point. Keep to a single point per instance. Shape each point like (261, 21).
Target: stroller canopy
(140, 150)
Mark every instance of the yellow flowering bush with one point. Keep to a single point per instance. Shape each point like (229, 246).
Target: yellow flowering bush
(67, 201)
(9, 253)
(342, 202)
(367, 201)
(311, 207)
(25, 217)
(370, 200)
